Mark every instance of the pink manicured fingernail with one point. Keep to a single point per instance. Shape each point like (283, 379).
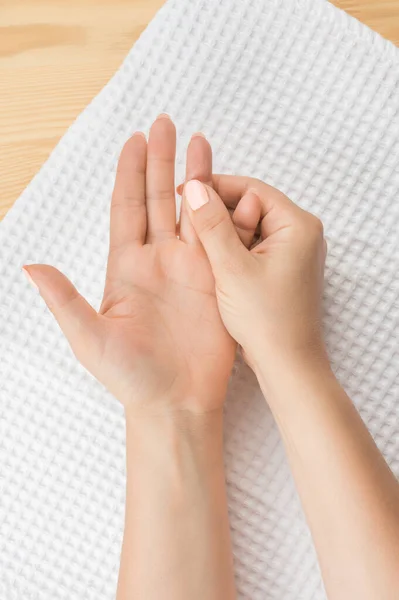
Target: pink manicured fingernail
(163, 116)
(196, 194)
(29, 278)
(198, 134)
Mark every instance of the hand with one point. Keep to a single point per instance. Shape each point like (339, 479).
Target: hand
(158, 343)
(270, 301)
(269, 297)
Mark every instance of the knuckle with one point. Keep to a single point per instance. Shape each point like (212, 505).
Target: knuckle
(211, 223)
(310, 227)
(255, 182)
(258, 186)
(317, 226)
(134, 201)
(161, 194)
(130, 200)
(269, 195)
(158, 233)
(72, 298)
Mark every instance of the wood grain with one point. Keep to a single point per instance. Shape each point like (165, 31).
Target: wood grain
(56, 55)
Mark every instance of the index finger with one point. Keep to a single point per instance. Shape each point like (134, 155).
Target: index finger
(276, 209)
(231, 188)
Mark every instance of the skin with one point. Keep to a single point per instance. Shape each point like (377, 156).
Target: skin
(162, 342)
(270, 302)
(159, 345)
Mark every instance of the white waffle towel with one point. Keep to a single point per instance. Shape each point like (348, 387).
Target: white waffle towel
(294, 92)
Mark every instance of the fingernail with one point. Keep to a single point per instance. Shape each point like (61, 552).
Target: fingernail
(139, 133)
(196, 194)
(163, 116)
(29, 278)
(198, 134)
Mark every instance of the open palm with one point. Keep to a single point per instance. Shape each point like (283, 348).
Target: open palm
(158, 341)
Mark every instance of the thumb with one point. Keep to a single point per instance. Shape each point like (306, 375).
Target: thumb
(214, 227)
(78, 320)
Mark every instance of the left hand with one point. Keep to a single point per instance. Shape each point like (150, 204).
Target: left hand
(158, 343)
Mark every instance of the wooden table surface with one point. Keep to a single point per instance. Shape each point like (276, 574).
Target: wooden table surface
(56, 55)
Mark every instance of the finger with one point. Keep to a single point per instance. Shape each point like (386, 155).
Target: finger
(199, 166)
(277, 211)
(128, 211)
(246, 217)
(160, 180)
(231, 188)
(214, 227)
(79, 322)
(180, 188)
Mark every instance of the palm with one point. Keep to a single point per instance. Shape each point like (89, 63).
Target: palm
(161, 312)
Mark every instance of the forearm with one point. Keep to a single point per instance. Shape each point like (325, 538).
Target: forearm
(177, 539)
(349, 494)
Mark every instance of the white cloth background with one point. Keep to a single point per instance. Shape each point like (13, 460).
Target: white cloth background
(294, 92)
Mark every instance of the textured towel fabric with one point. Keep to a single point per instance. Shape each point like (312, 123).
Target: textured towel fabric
(296, 93)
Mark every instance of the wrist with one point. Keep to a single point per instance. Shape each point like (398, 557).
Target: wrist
(284, 376)
(177, 429)
(183, 451)
(183, 403)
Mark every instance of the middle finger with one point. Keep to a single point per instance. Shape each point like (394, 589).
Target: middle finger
(160, 180)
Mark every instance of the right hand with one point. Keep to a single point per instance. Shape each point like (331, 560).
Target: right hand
(269, 297)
